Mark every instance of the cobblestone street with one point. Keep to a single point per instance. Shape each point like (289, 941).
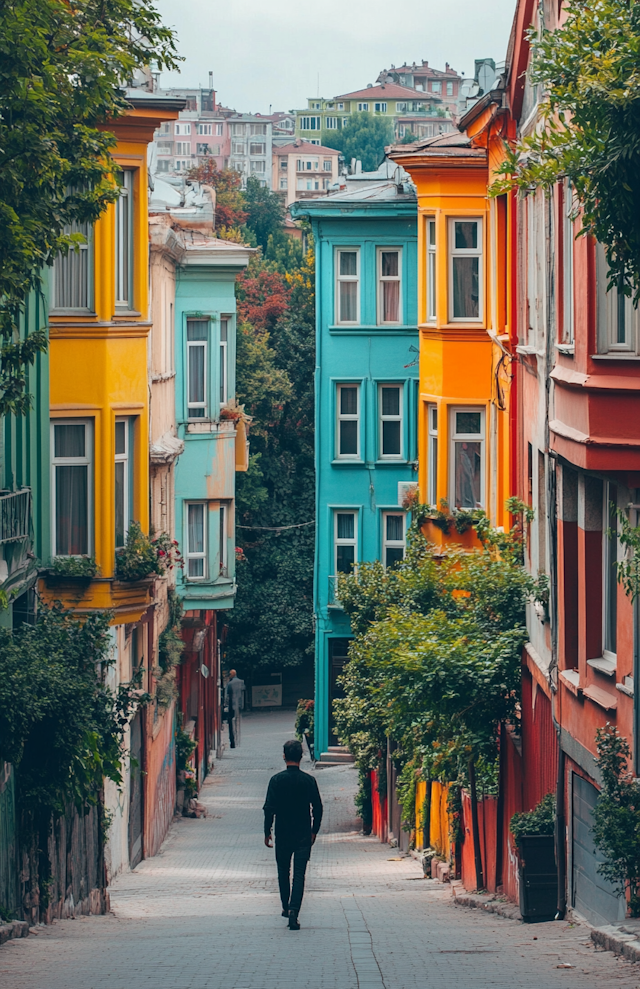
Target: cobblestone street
(205, 914)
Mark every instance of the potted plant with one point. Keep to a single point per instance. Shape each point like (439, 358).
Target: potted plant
(538, 871)
(305, 723)
(77, 568)
(143, 556)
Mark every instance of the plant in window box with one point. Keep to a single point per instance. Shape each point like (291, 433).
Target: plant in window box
(142, 555)
(232, 411)
(74, 567)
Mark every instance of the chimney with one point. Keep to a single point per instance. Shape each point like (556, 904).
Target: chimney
(446, 66)
(211, 80)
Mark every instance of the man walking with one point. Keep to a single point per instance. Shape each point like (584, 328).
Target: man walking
(235, 689)
(294, 800)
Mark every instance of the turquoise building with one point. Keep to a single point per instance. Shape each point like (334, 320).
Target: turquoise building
(366, 396)
(205, 339)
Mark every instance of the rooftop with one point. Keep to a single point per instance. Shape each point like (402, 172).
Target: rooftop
(306, 146)
(451, 145)
(384, 91)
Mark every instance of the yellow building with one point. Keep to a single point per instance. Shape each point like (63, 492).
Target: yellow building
(99, 325)
(463, 428)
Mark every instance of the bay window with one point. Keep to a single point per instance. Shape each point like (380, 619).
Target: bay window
(467, 457)
(432, 460)
(73, 274)
(617, 319)
(122, 481)
(224, 549)
(71, 487)
(124, 241)
(465, 269)
(196, 526)
(224, 335)
(431, 269)
(345, 541)
(197, 356)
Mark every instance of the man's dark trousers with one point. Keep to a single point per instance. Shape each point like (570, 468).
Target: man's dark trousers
(291, 896)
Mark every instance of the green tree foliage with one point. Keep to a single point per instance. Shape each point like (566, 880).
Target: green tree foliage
(435, 662)
(365, 137)
(616, 825)
(588, 74)
(265, 211)
(62, 63)
(60, 724)
(271, 625)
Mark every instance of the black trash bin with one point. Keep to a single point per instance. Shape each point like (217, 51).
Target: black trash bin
(538, 872)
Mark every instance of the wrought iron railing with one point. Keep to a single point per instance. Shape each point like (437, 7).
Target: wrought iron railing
(15, 515)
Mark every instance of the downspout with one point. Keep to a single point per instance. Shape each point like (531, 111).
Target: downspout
(552, 516)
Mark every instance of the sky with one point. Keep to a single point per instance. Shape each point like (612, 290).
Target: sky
(277, 53)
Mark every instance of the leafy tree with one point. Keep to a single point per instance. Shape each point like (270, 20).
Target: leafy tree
(265, 211)
(263, 295)
(590, 133)
(365, 137)
(231, 214)
(271, 625)
(61, 68)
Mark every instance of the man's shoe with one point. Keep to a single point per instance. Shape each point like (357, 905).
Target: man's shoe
(285, 913)
(293, 921)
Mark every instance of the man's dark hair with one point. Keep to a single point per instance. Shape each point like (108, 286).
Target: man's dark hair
(293, 750)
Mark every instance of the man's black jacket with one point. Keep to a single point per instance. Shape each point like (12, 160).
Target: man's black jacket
(291, 797)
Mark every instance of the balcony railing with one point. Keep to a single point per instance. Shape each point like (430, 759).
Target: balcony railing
(15, 515)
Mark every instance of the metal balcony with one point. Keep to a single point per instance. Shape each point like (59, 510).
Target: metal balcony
(15, 516)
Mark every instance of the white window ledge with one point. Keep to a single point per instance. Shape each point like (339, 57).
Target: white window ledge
(603, 664)
(626, 687)
(615, 357)
(529, 351)
(566, 348)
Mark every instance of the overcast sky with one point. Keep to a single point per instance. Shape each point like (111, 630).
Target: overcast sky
(279, 52)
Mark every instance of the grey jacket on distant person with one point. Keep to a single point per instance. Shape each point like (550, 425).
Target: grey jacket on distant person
(235, 690)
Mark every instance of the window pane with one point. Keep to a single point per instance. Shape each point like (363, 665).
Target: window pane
(196, 374)
(346, 525)
(391, 401)
(223, 329)
(466, 234)
(197, 329)
(348, 260)
(349, 401)
(612, 573)
(195, 525)
(119, 502)
(434, 420)
(72, 510)
(468, 468)
(69, 441)
(465, 287)
(432, 233)
(349, 437)
(196, 568)
(391, 438)
(121, 443)
(389, 263)
(393, 556)
(345, 557)
(390, 302)
(348, 302)
(468, 422)
(395, 528)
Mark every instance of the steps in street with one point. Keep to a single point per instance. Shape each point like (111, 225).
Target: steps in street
(336, 755)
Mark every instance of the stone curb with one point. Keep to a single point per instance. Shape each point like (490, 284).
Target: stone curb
(16, 928)
(503, 908)
(618, 940)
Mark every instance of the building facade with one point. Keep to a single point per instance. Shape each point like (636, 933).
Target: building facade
(366, 394)
(424, 79)
(407, 109)
(302, 170)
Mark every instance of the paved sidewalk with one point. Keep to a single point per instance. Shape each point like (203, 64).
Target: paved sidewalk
(205, 913)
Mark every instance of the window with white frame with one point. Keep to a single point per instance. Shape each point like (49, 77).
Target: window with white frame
(196, 526)
(340, 106)
(393, 538)
(124, 241)
(258, 166)
(73, 272)
(223, 369)
(197, 347)
(331, 123)
(219, 130)
(390, 413)
(326, 183)
(432, 461)
(258, 129)
(610, 569)
(536, 265)
(237, 130)
(431, 269)
(257, 148)
(71, 487)
(568, 236)
(284, 184)
(237, 148)
(389, 285)
(363, 107)
(223, 541)
(380, 107)
(310, 123)
(284, 164)
(326, 165)
(467, 458)
(182, 129)
(449, 89)
(183, 147)
(348, 421)
(122, 481)
(348, 285)
(465, 269)
(345, 541)
(401, 107)
(205, 129)
(436, 86)
(617, 319)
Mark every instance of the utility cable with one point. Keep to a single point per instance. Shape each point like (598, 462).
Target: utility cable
(276, 528)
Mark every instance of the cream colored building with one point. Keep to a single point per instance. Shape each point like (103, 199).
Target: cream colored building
(302, 170)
